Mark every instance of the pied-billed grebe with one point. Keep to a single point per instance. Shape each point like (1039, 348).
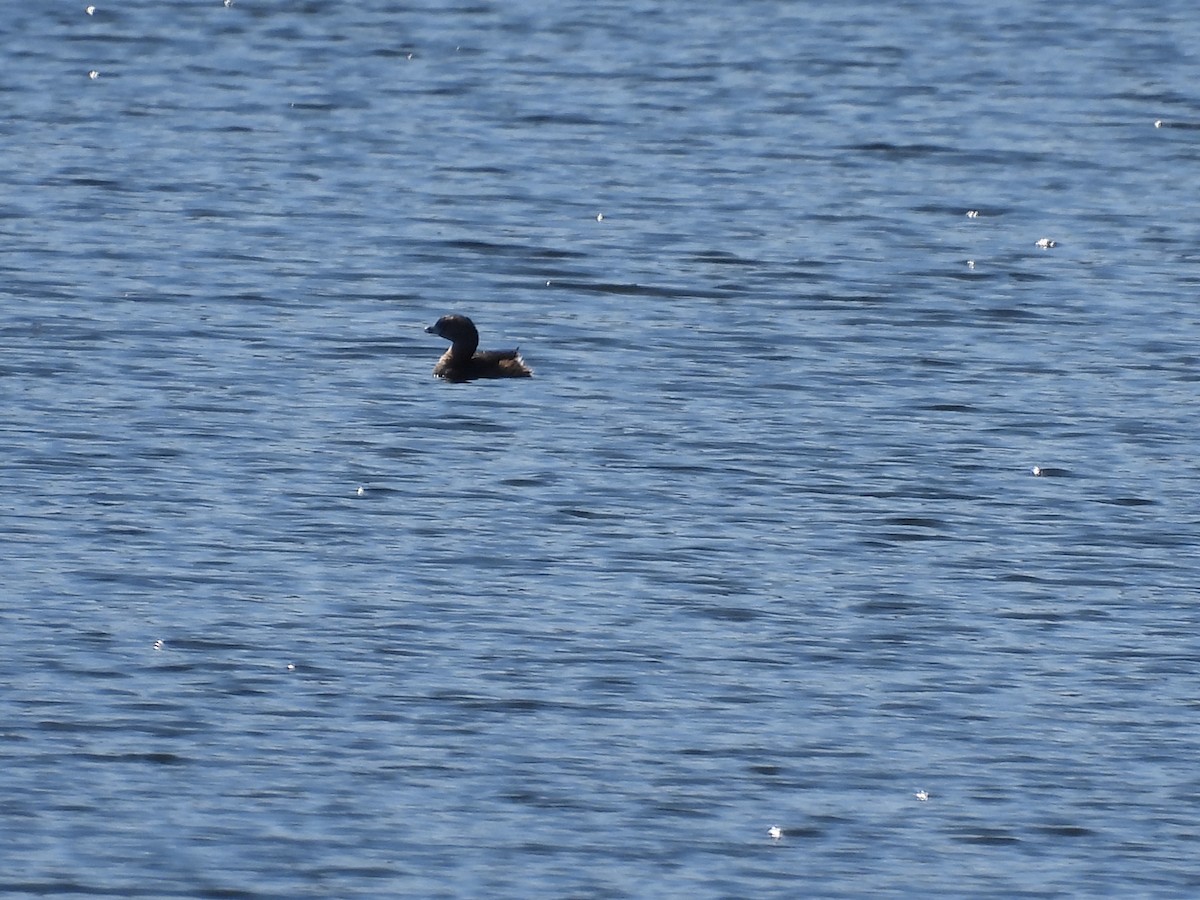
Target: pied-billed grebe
(463, 361)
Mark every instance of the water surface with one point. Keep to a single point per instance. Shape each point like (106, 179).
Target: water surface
(760, 544)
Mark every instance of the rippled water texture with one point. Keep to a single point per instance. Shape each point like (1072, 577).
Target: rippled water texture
(761, 543)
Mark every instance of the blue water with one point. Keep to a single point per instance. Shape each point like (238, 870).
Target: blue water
(761, 543)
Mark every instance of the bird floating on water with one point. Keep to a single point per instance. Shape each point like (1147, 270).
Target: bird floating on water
(465, 362)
